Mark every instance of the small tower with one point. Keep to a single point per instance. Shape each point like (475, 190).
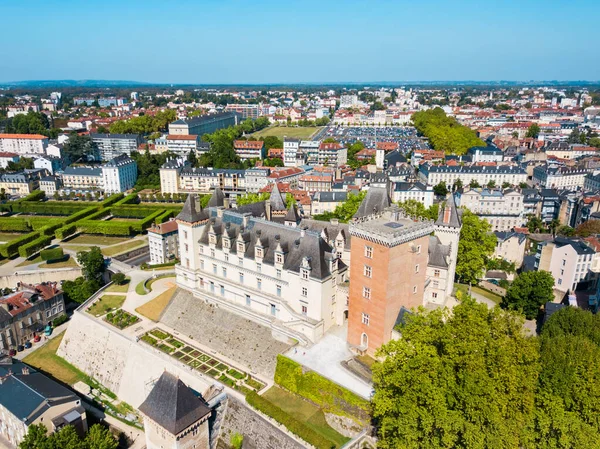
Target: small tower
(174, 417)
(292, 218)
(190, 222)
(447, 229)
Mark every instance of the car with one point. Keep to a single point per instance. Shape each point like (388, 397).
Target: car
(20, 348)
(12, 352)
(36, 338)
(27, 344)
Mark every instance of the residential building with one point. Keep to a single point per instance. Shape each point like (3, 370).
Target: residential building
(348, 101)
(404, 191)
(433, 175)
(332, 154)
(510, 246)
(21, 183)
(290, 150)
(50, 163)
(310, 151)
(50, 185)
(23, 143)
(252, 111)
(560, 177)
(26, 313)
(163, 241)
(204, 124)
(181, 145)
(5, 158)
(486, 154)
(257, 178)
(256, 261)
(119, 174)
(105, 102)
(169, 175)
(27, 397)
(316, 181)
(110, 146)
(323, 202)
(591, 182)
(82, 178)
(249, 149)
(175, 417)
(568, 260)
(503, 209)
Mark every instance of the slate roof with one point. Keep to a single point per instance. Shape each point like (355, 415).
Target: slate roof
(376, 200)
(27, 396)
(438, 253)
(455, 215)
(192, 212)
(83, 171)
(276, 200)
(173, 405)
(292, 214)
(328, 230)
(217, 199)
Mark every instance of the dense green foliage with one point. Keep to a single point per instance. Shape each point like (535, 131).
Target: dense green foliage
(14, 224)
(30, 248)
(92, 263)
(476, 244)
(31, 123)
(445, 133)
(52, 254)
(146, 222)
(530, 291)
(464, 379)
(590, 227)
(36, 195)
(291, 423)
(105, 227)
(148, 168)
(11, 248)
(416, 209)
(78, 148)
(345, 211)
(318, 389)
(98, 437)
(80, 289)
(144, 124)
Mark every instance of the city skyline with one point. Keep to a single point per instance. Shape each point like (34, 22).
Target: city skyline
(267, 43)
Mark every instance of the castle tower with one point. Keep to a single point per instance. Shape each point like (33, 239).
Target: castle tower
(174, 417)
(447, 229)
(190, 221)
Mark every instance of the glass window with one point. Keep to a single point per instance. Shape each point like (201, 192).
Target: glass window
(258, 267)
(366, 293)
(279, 290)
(365, 319)
(304, 291)
(241, 278)
(367, 271)
(259, 284)
(369, 252)
(304, 310)
(248, 301)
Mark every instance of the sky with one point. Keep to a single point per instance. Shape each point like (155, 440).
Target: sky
(291, 41)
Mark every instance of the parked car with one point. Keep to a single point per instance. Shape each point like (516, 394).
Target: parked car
(27, 344)
(20, 348)
(12, 353)
(36, 339)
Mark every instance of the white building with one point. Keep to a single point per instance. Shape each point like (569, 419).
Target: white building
(560, 177)
(119, 174)
(569, 261)
(5, 158)
(290, 150)
(504, 210)
(348, 101)
(112, 145)
(332, 154)
(433, 175)
(163, 242)
(179, 144)
(23, 143)
(404, 191)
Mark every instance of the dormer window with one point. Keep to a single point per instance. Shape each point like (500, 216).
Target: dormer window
(241, 247)
(279, 257)
(226, 243)
(212, 238)
(259, 252)
(304, 273)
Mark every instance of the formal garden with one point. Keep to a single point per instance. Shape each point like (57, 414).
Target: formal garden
(30, 224)
(198, 360)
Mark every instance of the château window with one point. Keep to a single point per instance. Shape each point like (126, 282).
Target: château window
(259, 252)
(212, 238)
(201, 249)
(365, 318)
(241, 278)
(304, 310)
(279, 290)
(240, 261)
(240, 246)
(415, 289)
(258, 267)
(369, 252)
(259, 284)
(368, 271)
(436, 273)
(366, 293)
(187, 248)
(304, 292)
(279, 258)
(212, 253)
(304, 273)
(416, 268)
(185, 234)
(224, 272)
(226, 243)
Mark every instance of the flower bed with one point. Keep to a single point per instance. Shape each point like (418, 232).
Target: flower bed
(121, 319)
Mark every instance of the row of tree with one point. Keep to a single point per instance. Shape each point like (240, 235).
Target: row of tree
(31, 123)
(144, 124)
(98, 437)
(473, 378)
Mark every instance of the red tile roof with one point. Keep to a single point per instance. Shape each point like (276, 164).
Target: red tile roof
(248, 144)
(23, 136)
(178, 137)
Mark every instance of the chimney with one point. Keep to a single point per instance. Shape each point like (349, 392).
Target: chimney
(334, 221)
(447, 214)
(25, 371)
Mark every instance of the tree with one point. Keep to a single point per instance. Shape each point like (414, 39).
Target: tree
(474, 184)
(414, 208)
(491, 184)
(566, 231)
(533, 131)
(92, 263)
(464, 379)
(523, 185)
(192, 159)
(78, 147)
(505, 185)
(80, 289)
(553, 226)
(345, 211)
(98, 437)
(529, 291)
(35, 437)
(458, 185)
(590, 227)
(515, 135)
(534, 224)
(118, 278)
(441, 189)
(476, 244)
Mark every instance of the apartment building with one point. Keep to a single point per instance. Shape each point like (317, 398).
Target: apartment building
(163, 242)
(591, 182)
(181, 145)
(249, 149)
(404, 191)
(433, 175)
(82, 178)
(568, 260)
(503, 209)
(5, 158)
(486, 154)
(27, 398)
(510, 246)
(310, 151)
(290, 151)
(26, 313)
(316, 181)
(204, 124)
(560, 177)
(257, 261)
(257, 178)
(332, 154)
(323, 202)
(119, 174)
(23, 143)
(21, 183)
(110, 146)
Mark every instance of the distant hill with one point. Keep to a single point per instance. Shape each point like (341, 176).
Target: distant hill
(75, 83)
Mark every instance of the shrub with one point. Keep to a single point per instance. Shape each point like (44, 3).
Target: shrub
(292, 424)
(131, 198)
(133, 211)
(65, 231)
(36, 195)
(81, 214)
(164, 216)
(60, 320)
(104, 227)
(52, 254)
(29, 249)
(146, 266)
(50, 229)
(14, 224)
(112, 199)
(37, 223)
(316, 388)
(118, 278)
(11, 248)
(48, 208)
(145, 223)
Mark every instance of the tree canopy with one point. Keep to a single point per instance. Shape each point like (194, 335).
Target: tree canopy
(445, 133)
(529, 291)
(414, 208)
(344, 211)
(476, 244)
(98, 437)
(533, 131)
(590, 227)
(144, 124)
(92, 263)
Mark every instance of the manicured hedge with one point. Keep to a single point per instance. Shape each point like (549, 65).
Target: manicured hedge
(98, 215)
(112, 199)
(291, 423)
(318, 389)
(52, 254)
(145, 266)
(65, 231)
(36, 195)
(29, 249)
(104, 227)
(47, 208)
(141, 225)
(131, 198)
(50, 229)
(81, 214)
(14, 224)
(132, 211)
(11, 248)
(37, 223)
(164, 216)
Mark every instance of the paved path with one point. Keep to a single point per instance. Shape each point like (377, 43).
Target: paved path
(57, 331)
(325, 358)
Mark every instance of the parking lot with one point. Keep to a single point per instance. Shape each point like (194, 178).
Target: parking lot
(405, 136)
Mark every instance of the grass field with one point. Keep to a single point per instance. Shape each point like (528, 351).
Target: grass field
(153, 309)
(105, 304)
(281, 131)
(489, 295)
(8, 236)
(46, 360)
(118, 288)
(306, 412)
(36, 259)
(68, 263)
(100, 240)
(132, 244)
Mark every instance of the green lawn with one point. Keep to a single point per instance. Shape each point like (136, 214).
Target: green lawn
(46, 360)
(284, 131)
(489, 295)
(113, 250)
(36, 259)
(8, 236)
(68, 263)
(101, 240)
(114, 288)
(306, 412)
(105, 304)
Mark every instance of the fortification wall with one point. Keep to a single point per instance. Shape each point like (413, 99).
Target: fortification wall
(126, 367)
(37, 277)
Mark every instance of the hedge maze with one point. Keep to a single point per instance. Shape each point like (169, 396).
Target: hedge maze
(42, 221)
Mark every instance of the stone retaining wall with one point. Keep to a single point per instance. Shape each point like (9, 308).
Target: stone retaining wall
(35, 277)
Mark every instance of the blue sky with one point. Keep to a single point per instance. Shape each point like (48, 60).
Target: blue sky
(231, 41)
